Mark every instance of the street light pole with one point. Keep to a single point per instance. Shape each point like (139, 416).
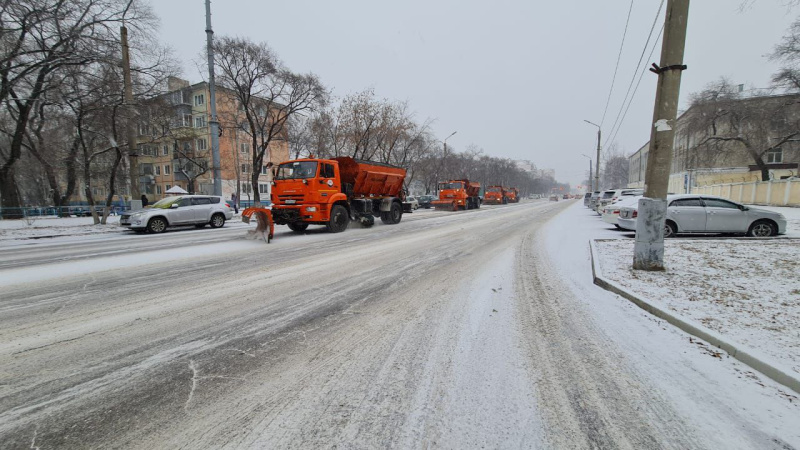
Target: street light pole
(445, 141)
(590, 169)
(597, 161)
(213, 123)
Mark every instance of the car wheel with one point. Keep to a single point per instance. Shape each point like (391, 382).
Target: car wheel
(762, 228)
(157, 225)
(669, 229)
(217, 220)
(339, 219)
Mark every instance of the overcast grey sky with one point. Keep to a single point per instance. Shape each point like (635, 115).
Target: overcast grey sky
(514, 77)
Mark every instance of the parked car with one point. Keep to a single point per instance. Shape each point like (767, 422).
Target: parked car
(615, 194)
(611, 211)
(425, 201)
(593, 199)
(689, 213)
(586, 198)
(197, 210)
(414, 202)
(554, 198)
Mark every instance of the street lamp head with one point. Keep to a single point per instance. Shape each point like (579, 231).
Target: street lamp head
(591, 123)
(451, 135)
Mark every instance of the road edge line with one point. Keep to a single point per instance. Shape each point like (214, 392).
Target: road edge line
(744, 354)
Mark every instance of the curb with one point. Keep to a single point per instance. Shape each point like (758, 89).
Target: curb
(745, 355)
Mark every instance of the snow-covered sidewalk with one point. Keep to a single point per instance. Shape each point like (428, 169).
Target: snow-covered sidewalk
(745, 290)
(48, 227)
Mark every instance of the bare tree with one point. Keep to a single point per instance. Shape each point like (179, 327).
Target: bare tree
(787, 53)
(40, 39)
(267, 93)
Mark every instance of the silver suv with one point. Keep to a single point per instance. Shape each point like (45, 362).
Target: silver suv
(197, 210)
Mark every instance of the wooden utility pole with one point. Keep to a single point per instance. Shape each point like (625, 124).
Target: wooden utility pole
(130, 120)
(648, 253)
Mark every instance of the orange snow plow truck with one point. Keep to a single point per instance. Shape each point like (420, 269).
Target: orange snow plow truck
(512, 195)
(332, 191)
(495, 195)
(458, 194)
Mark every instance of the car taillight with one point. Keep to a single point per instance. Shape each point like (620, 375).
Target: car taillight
(227, 205)
(615, 212)
(635, 214)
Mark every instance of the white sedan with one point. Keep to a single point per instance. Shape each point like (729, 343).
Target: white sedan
(611, 211)
(708, 214)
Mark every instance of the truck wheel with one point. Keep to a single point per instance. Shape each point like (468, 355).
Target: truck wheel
(394, 214)
(298, 227)
(339, 219)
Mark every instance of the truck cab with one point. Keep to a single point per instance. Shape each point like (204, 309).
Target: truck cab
(495, 195)
(305, 190)
(458, 194)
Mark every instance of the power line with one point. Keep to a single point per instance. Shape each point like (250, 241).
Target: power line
(616, 67)
(644, 70)
(636, 69)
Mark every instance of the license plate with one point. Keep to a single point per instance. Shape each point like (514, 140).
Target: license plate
(290, 202)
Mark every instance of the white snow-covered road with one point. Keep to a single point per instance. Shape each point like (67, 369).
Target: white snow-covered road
(450, 330)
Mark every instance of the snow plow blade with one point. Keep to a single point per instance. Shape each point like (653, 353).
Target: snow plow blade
(265, 226)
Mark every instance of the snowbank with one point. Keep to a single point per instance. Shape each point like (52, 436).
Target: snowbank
(746, 290)
(46, 227)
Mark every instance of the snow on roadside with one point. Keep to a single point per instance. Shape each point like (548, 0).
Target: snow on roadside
(747, 290)
(46, 227)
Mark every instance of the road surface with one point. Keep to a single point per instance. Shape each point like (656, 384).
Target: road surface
(449, 330)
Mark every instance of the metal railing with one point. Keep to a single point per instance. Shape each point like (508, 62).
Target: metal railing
(63, 211)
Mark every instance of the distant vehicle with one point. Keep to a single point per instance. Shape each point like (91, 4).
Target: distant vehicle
(512, 195)
(554, 198)
(425, 201)
(413, 201)
(495, 195)
(616, 195)
(458, 194)
(566, 197)
(197, 210)
(593, 199)
(689, 213)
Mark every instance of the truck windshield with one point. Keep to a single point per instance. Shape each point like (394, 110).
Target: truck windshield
(494, 189)
(296, 170)
(443, 186)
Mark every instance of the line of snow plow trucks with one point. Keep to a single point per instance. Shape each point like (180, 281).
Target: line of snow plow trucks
(458, 194)
(499, 195)
(331, 192)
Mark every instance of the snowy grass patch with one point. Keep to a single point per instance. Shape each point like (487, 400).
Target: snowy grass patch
(746, 290)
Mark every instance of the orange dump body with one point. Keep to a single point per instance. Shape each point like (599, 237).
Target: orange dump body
(458, 194)
(371, 179)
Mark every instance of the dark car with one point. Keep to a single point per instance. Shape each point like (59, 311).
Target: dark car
(425, 201)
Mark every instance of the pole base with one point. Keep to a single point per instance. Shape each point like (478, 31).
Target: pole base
(648, 250)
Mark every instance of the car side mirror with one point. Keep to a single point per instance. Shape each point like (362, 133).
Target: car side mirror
(173, 206)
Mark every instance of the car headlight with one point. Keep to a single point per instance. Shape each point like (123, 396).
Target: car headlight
(311, 208)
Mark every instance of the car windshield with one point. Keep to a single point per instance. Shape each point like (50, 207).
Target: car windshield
(443, 186)
(296, 170)
(608, 194)
(425, 197)
(165, 203)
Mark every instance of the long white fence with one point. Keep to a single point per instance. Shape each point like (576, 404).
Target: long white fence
(773, 193)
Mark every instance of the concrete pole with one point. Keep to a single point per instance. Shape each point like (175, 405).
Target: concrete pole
(213, 123)
(590, 170)
(648, 253)
(130, 122)
(597, 163)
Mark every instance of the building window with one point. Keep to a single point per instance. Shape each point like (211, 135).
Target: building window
(199, 100)
(158, 170)
(166, 188)
(165, 150)
(201, 144)
(246, 188)
(264, 170)
(243, 147)
(199, 122)
(774, 155)
(187, 120)
(263, 188)
(245, 168)
(166, 170)
(158, 189)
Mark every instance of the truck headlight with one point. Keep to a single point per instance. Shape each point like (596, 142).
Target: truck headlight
(311, 208)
